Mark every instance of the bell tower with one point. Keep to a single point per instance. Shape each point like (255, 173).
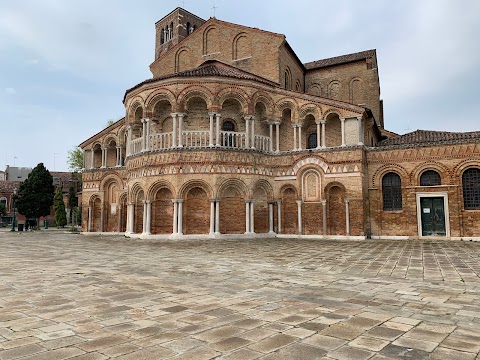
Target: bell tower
(173, 28)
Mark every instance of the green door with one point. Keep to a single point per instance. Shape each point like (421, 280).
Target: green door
(433, 216)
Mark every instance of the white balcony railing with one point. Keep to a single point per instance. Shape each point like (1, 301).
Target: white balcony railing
(161, 141)
(196, 138)
(200, 139)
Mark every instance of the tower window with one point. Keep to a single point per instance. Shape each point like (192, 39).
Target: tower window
(312, 141)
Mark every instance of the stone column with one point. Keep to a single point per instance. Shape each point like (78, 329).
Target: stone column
(104, 163)
(252, 217)
(144, 134)
(299, 211)
(270, 217)
(174, 134)
(347, 216)
(117, 161)
(277, 134)
(130, 214)
(180, 216)
(212, 216)
(252, 118)
(294, 137)
(147, 134)
(92, 160)
(342, 122)
(144, 225)
(247, 216)
(210, 141)
(279, 217)
(217, 118)
(318, 135)
(270, 125)
(175, 217)
(323, 133)
(129, 141)
(180, 129)
(217, 217)
(324, 216)
(360, 130)
(89, 224)
(148, 222)
(299, 137)
(120, 218)
(247, 132)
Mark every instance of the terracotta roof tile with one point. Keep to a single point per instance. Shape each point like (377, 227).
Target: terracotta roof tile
(429, 137)
(341, 59)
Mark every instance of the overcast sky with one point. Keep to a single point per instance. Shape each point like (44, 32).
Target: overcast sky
(65, 64)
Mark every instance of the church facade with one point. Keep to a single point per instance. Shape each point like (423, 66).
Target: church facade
(234, 136)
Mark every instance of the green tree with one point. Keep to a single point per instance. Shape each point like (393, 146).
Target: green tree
(3, 209)
(110, 122)
(59, 207)
(75, 159)
(72, 201)
(35, 196)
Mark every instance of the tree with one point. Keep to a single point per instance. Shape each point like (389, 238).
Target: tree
(110, 122)
(72, 201)
(75, 159)
(35, 196)
(59, 207)
(3, 209)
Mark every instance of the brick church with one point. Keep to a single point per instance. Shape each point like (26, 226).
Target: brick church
(233, 136)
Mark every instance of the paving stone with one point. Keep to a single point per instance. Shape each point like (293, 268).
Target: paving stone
(350, 353)
(324, 342)
(20, 351)
(400, 352)
(230, 344)
(272, 343)
(57, 354)
(383, 332)
(441, 353)
(242, 354)
(368, 343)
(296, 352)
(152, 353)
(341, 331)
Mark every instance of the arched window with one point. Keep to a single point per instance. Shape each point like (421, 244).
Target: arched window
(188, 28)
(392, 191)
(171, 30)
(162, 36)
(430, 178)
(288, 79)
(471, 189)
(312, 141)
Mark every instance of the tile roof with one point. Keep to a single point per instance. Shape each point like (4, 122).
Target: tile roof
(210, 68)
(7, 186)
(341, 59)
(430, 137)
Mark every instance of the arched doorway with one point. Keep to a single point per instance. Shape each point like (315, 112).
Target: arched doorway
(138, 220)
(97, 215)
(232, 211)
(162, 212)
(289, 211)
(336, 220)
(196, 217)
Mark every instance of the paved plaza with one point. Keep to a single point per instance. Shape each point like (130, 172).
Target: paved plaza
(66, 296)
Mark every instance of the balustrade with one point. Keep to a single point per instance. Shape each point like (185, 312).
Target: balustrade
(137, 146)
(161, 141)
(233, 139)
(196, 138)
(262, 143)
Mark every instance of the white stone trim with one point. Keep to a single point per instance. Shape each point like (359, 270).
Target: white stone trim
(446, 211)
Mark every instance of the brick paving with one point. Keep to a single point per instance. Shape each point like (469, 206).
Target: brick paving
(65, 296)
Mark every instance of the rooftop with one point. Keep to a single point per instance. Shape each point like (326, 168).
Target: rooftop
(429, 137)
(343, 59)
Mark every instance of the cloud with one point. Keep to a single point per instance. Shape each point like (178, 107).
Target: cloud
(10, 91)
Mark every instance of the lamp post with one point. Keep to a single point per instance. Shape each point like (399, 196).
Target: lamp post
(14, 208)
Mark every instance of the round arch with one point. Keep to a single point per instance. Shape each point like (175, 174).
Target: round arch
(380, 172)
(441, 169)
(193, 92)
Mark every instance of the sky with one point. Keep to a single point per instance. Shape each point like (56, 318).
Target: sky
(65, 64)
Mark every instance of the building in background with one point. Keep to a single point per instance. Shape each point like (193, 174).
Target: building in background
(235, 136)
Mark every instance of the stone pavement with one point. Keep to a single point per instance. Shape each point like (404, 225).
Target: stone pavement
(65, 296)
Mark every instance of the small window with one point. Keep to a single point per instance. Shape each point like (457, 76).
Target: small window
(162, 36)
(430, 178)
(228, 126)
(312, 141)
(471, 189)
(392, 192)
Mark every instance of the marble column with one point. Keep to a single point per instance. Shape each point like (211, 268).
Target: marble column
(148, 225)
(180, 129)
(270, 217)
(323, 133)
(144, 134)
(294, 137)
(147, 134)
(252, 217)
(252, 119)
(120, 218)
(342, 122)
(319, 144)
(247, 216)
(360, 130)
(130, 217)
(270, 125)
(180, 216)
(175, 217)
(324, 217)
(102, 217)
(129, 140)
(174, 134)
(89, 224)
(277, 134)
(299, 211)
(144, 222)
(104, 157)
(212, 217)
(347, 216)
(247, 132)
(217, 217)
(210, 141)
(279, 217)
(217, 118)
